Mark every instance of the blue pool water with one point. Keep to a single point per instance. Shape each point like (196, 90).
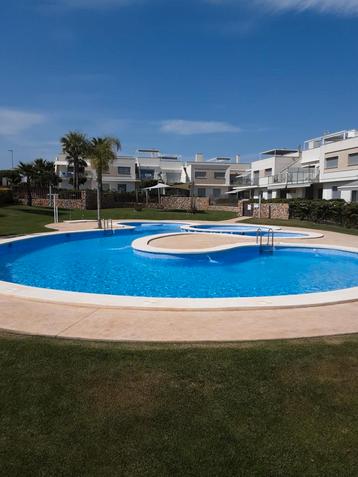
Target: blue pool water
(244, 230)
(102, 262)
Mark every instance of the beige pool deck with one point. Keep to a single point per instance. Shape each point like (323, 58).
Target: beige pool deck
(39, 317)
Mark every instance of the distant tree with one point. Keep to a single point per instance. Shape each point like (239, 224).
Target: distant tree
(44, 173)
(27, 173)
(11, 176)
(102, 152)
(75, 145)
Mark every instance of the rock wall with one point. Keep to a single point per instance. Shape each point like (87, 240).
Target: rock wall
(88, 201)
(171, 202)
(225, 208)
(62, 203)
(272, 211)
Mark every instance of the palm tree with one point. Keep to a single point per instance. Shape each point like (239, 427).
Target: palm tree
(75, 146)
(27, 172)
(102, 152)
(45, 174)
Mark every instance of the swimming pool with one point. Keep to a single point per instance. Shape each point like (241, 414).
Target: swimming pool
(104, 262)
(243, 230)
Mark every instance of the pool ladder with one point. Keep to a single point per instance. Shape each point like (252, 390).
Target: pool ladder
(107, 225)
(270, 243)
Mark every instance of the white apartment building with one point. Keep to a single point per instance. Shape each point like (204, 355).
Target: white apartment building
(327, 168)
(336, 157)
(212, 178)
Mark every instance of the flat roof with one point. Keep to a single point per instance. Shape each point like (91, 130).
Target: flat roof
(278, 152)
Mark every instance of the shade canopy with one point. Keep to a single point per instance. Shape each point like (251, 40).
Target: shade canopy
(350, 186)
(158, 186)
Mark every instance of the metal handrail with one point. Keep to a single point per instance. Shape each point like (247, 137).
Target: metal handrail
(259, 236)
(107, 224)
(270, 231)
(270, 238)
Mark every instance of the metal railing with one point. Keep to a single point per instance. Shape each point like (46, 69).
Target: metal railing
(245, 181)
(107, 224)
(270, 242)
(299, 176)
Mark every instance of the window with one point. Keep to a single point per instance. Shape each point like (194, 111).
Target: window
(256, 177)
(268, 172)
(219, 175)
(147, 174)
(200, 174)
(124, 171)
(353, 159)
(336, 194)
(354, 195)
(216, 193)
(331, 162)
(122, 188)
(201, 192)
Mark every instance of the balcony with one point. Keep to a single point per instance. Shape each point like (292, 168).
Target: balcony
(245, 181)
(295, 176)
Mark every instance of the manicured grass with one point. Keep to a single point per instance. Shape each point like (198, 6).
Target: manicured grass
(302, 223)
(16, 220)
(267, 409)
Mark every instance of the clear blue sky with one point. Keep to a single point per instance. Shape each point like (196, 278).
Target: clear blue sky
(214, 76)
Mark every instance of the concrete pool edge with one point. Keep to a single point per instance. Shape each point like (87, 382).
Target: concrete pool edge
(145, 244)
(152, 303)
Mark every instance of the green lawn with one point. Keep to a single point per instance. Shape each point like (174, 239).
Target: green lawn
(16, 220)
(302, 223)
(261, 409)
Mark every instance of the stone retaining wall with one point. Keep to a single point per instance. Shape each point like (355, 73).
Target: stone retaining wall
(272, 211)
(62, 203)
(269, 210)
(171, 202)
(88, 201)
(225, 208)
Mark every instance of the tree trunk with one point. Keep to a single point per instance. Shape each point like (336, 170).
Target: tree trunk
(99, 197)
(75, 174)
(29, 194)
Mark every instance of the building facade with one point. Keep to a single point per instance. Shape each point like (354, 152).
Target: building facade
(326, 167)
(212, 178)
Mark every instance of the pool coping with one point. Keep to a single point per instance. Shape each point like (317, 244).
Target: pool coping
(263, 228)
(144, 244)
(137, 302)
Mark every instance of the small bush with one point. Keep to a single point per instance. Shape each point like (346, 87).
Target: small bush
(6, 197)
(325, 211)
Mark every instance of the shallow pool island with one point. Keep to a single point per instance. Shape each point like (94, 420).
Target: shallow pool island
(124, 267)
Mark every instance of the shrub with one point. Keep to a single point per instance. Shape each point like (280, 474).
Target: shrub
(335, 211)
(325, 211)
(6, 197)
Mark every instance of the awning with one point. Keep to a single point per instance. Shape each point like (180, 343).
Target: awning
(252, 187)
(158, 186)
(350, 186)
(289, 186)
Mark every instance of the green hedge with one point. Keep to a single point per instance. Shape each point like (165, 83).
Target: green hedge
(321, 211)
(325, 211)
(6, 197)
